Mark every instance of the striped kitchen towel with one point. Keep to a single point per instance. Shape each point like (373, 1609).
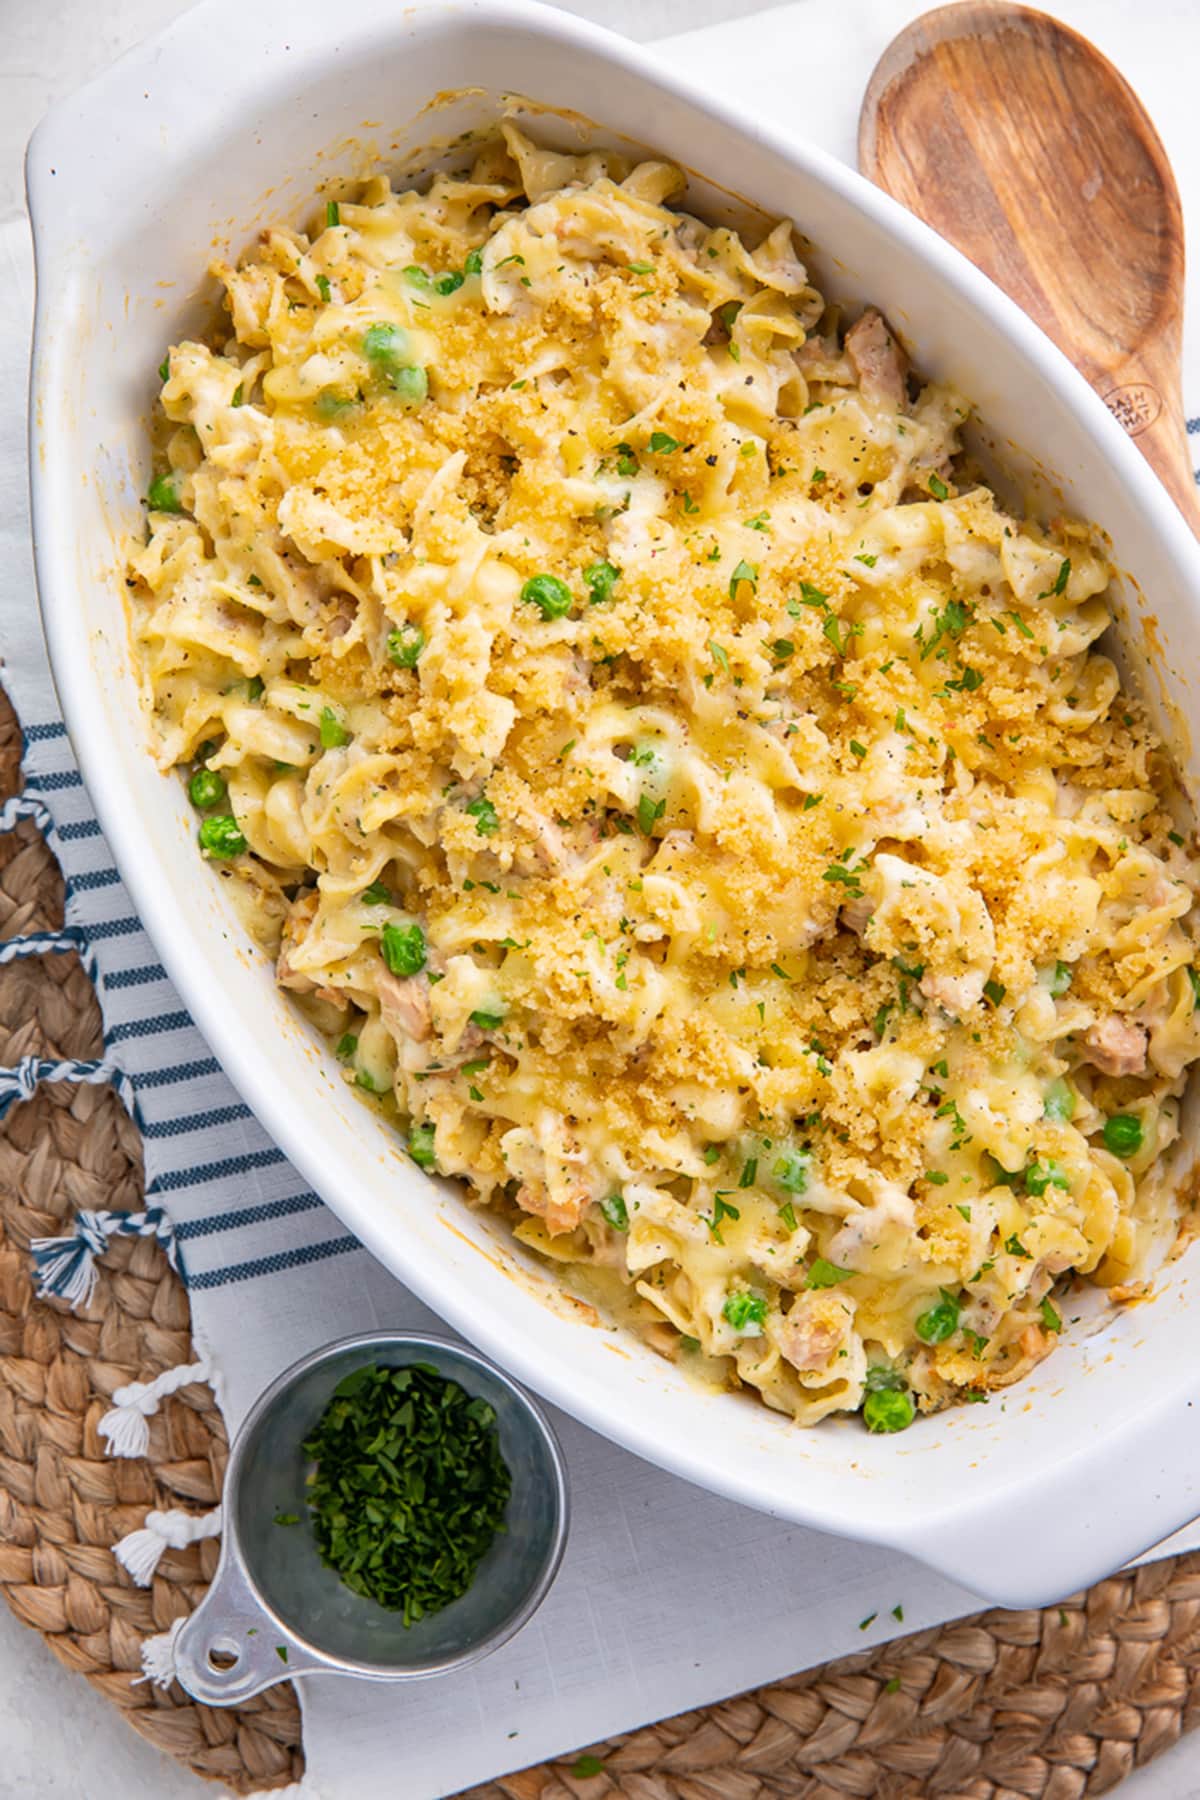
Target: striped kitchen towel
(272, 1273)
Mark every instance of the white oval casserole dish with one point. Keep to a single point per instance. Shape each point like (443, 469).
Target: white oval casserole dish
(235, 116)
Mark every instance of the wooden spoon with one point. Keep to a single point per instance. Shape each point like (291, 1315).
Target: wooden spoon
(1019, 142)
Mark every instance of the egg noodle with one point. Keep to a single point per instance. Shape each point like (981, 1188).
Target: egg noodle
(694, 806)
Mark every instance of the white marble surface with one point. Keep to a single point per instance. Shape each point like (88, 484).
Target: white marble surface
(57, 1738)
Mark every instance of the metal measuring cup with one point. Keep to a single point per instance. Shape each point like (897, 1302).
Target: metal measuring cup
(275, 1611)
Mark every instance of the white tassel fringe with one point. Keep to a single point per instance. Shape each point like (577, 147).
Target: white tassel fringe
(141, 1551)
(126, 1425)
(158, 1657)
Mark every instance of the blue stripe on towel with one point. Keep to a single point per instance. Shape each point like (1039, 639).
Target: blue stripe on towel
(274, 1265)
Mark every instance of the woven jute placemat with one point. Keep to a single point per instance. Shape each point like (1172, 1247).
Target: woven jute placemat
(1051, 1705)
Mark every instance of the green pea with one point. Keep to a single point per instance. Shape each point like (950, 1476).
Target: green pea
(888, 1409)
(1059, 1103)
(410, 383)
(474, 262)
(421, 1146)
(386, 344)
(1041, 1175)
(206, 789)
(551, 596)
(600, 579)
(331, 403)
(1123, 1134)
(1060, 981)
(416, 277)
(940, 1322)
(487, 1021)
(404, 949)
(221, 837)
(163, 493)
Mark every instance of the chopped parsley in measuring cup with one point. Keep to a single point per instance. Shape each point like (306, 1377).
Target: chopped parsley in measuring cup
(409, 1487)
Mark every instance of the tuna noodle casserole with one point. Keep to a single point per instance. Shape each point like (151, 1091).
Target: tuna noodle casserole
(693, 805)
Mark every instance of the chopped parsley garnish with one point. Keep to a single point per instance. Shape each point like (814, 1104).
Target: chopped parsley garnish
(649, 812)
(473, 265)
(347, 1044)
(323, 288)
(1060, 980)
(163, 493)
(745, 571)
(722, 1209)
(839, 635)
(995, 991)
(824, 1274)
(1051, 1319)
(719, 655)
(1060, 581)
(938, 488)
(487, 820)
(782, 648)
(846, 875)
(376, 895)
(791, 1171)
(403, 948)
(404, 645)
(333, 213)
(551, 596)
(332, 731)
(662, 443)
(745, 1312)
(410, 1486)
(616, 1212)
(870, 561)
(951, 622)
(857, 749)
(1014, 1246)
(627, 462)
(749, 1174)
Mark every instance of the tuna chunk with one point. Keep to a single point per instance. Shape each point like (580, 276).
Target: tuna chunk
(879, 363)
(404, 1004)
(295, 929)
(562, 1211)
(815, 1329)
(1116, 1047)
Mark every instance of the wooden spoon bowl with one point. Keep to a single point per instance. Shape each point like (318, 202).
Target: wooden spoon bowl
(1022, 145)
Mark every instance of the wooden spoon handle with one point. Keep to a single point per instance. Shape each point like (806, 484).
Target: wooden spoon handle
(1015, 139)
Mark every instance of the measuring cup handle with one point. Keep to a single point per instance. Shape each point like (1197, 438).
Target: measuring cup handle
(231, 1647)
